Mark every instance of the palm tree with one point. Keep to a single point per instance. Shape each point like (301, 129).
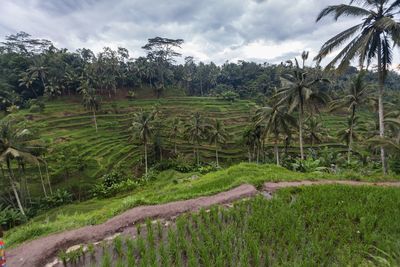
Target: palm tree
(218, 135)
(299, 91)
(16, 143)
(314, 129)
(276, 121)
(38, 71)
(175, 131)
(90, 100)
(349, 133)
(359, 94)
(142, 129)
(373, 38)
(196, 130)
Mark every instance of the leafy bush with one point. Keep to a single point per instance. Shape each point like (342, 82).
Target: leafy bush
(229, 96)
(36, 105)
(112, 184)
(10, 217)
(395, 164)
(60, 197)
(309, 165)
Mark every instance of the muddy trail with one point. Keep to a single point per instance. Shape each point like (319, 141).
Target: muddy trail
(41, 251)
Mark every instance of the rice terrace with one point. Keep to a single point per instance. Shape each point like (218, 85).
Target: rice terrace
(199, 133)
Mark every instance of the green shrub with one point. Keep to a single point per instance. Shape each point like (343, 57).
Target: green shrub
(10, 217)
(113, 184)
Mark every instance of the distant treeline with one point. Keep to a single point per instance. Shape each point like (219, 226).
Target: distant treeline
(30, 68)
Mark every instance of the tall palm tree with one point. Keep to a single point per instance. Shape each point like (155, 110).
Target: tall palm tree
(142, 129)
(276, 121)
(195, 131)
(89, 99)
(218, 135)
(175, 131)
(373, 38)
(16, 143)
(359, 93)
(299, 91)
(38, 71)
(349, 133)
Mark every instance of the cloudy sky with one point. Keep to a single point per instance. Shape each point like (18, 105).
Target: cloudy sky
(213, 30)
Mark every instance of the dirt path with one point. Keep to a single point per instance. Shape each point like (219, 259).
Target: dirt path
(38, 252)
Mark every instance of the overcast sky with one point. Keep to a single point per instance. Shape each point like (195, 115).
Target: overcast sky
(213, 30)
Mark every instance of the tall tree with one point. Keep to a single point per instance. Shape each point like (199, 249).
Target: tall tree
(299, 90)
(373, 38)
(196, 130)
(358, 94)
(142, 129)
(89, 99)
(218, 135)
(175, 131)
(16, 143)
(276, 121)
(162, 52)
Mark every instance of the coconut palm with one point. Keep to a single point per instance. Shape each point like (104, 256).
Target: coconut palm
(349, 133)
(195, 131)
(89, 99)
(16, 143)
(175, 131)
(373, 38)
(142, 129)
(218, 135)
(314, 130)
(276, 121)
(359, 93)
(299, 91)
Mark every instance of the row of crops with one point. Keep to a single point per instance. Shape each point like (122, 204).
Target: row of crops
(314, 226)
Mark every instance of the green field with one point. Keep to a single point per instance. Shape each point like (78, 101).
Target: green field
(309, 226)
(168, 186)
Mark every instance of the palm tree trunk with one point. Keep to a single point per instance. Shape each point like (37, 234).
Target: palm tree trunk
(380, 106)
(95, 120)
(216, 153)
(201, 87)
(145, 157)
(276, 150)
(351, 134)
(175, 147)
(41, 179)
(249, 154)
(48, 178)
(13, 187)
(301, 133)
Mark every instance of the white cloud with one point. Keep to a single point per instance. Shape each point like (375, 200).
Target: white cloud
(213, 30)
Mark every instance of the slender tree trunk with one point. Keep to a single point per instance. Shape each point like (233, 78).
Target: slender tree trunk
(175, 147)
(216, 153)
(145, 157)
(349, 151)
(95, 120)
(249, 154)
(301, 133)
(48, 178)
(276, 150)
(198, 155)
(41, 179)
(380, 107)
(14, 188)
(201, 87)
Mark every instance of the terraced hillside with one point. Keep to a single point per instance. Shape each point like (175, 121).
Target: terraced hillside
(68, 124)
(65, 124)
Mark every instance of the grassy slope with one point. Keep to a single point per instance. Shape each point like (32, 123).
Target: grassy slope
(312, 226)
(169, 186)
